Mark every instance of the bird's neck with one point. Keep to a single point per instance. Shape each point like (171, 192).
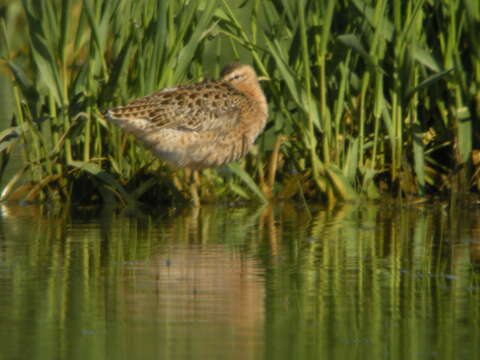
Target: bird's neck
(254, 92)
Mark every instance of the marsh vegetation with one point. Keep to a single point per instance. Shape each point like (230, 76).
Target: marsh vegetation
(365, 97)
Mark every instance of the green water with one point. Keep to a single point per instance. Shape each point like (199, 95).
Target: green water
(357, 282)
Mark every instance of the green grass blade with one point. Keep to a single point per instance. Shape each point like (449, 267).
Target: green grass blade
(419, 159)
(428, 82)
(340, 183)
(247, 180)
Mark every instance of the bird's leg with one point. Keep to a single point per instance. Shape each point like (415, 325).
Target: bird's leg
(196, 184)
(196, 177)
(194, 181)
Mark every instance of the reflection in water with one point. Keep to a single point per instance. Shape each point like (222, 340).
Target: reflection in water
(376, 282)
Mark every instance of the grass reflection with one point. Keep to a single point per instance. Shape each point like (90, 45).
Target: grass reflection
(393, 281)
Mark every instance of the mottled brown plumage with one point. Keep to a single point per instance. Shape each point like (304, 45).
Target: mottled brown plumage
(202, 125)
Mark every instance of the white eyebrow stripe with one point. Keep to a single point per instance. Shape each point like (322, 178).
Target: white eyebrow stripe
(169, 89)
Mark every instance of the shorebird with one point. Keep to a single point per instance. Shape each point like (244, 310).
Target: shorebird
(202, 125)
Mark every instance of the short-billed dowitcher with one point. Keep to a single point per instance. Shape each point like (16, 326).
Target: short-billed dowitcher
(202, 125)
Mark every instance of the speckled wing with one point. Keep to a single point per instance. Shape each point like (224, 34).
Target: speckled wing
(202, 107)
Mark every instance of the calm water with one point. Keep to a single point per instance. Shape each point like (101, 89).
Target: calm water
(368, 282)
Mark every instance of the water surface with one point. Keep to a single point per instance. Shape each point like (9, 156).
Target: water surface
(396, 281)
